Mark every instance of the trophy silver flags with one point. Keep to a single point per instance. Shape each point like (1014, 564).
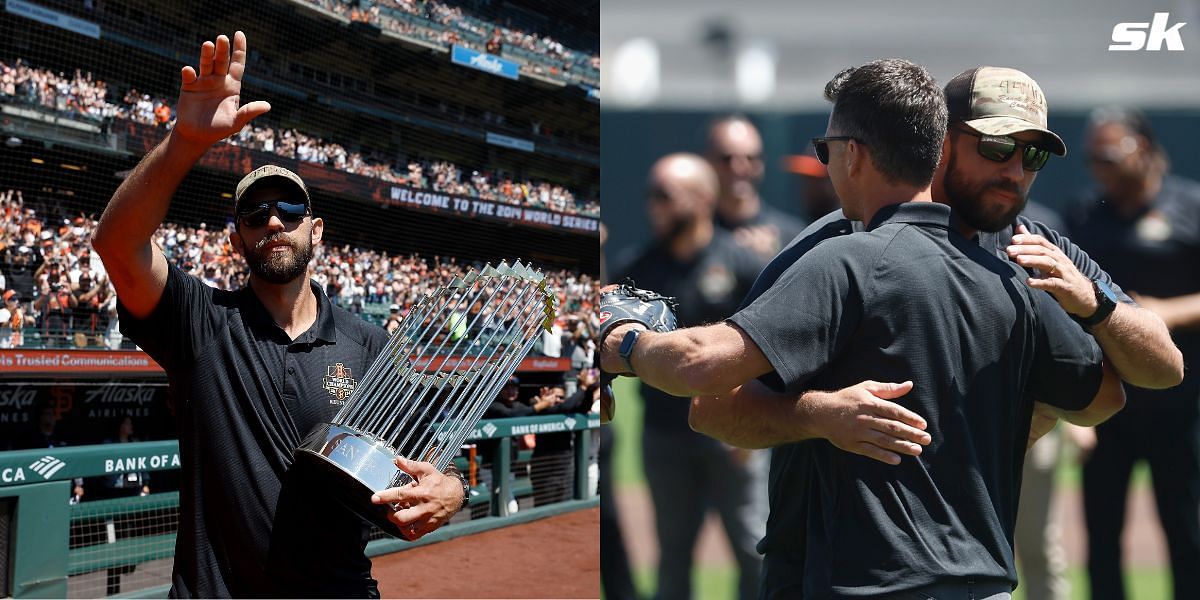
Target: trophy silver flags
(429, 387)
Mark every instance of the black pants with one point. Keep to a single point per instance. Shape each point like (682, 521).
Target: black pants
(1167, 435)
(615, 575)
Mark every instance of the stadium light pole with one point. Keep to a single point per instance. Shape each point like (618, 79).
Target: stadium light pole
(635, 73)
(754, 72)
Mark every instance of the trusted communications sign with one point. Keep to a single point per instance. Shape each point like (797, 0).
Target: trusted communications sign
(461, 55)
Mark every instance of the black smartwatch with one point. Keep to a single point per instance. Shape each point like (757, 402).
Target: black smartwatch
(1106, 303)
(626, 349)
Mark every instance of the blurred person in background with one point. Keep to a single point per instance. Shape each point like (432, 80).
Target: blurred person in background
(121, 485)
(1143, 224)
(552, 469)
(45, 434)
(13, 321)
(55, 305)
(507, 404)
(709, 272)
(735, 150)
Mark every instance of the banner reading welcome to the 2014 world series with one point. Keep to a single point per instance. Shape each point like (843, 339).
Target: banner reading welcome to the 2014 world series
(400, 195)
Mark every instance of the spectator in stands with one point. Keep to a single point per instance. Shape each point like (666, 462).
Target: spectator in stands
(506, 404)
(495, 43)
(55, 305)
(88, 99)
(12, 321)
(20, 266)
(206, 253)
(86, 319)
(393, 319)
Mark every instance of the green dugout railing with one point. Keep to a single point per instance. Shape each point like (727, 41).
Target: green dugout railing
(45, 548)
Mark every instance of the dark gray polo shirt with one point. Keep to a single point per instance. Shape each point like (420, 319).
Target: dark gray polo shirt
(912, 299)
(245, 395)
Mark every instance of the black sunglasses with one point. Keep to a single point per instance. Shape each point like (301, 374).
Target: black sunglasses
(821, 145)
(289, 213)
(1000, 148)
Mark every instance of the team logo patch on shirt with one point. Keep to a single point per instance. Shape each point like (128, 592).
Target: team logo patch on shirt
(338, 382)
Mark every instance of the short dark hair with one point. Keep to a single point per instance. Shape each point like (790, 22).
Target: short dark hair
(896, 109)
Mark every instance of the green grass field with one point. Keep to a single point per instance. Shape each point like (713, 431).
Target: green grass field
(720, 583)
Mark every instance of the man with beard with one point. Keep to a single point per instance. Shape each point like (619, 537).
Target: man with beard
(689, 473)
(247, 367)
(735, 151)
(987, 194)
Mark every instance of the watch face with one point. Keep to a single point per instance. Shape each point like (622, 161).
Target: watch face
(1106, 290)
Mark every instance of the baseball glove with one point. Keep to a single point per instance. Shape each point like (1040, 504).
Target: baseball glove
(625, 303)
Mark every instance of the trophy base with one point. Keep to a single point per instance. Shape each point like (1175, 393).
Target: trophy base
(352, 466)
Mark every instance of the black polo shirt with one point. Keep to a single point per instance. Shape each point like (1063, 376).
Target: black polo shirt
(1154, 252)
(709, 287)
(912, 299)
(245, 396)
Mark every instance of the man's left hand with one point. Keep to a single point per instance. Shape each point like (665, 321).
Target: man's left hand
(1073, 291)
(426, 503)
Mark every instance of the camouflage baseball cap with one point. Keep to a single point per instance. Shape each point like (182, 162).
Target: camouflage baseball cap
(266, 173)
(1000, 101)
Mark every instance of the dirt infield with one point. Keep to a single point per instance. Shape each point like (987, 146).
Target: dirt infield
(555, 557)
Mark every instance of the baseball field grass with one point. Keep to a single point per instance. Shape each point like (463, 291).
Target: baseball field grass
(719, 582)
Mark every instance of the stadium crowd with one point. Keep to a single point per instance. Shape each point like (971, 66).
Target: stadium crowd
(85, 96)
(56, 292)
(458, 28)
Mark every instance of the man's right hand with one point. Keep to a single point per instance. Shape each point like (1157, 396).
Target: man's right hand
(208, 110)
(863, 420)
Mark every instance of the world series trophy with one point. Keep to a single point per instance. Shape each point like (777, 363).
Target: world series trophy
(429, 387)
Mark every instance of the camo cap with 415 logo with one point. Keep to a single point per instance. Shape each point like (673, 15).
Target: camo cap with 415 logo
(1001, 101)
(265, 173)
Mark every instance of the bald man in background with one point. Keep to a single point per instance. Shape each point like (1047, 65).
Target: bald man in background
(688, 473)
(735, 151)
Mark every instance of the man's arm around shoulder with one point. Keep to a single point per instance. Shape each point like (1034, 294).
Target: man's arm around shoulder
(861, 419)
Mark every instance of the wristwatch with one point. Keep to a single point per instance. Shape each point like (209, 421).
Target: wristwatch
(466, 485)
(626, 349)
(1106, 303)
